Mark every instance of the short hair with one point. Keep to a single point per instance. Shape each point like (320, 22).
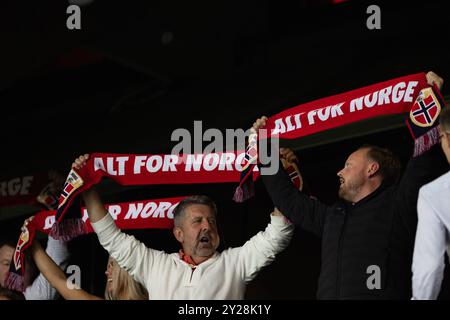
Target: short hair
(180, 209)
(444, 120)
(390, 165)
(8, 243)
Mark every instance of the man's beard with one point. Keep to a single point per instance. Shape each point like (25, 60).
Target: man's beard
(348, 191)
(207, 248)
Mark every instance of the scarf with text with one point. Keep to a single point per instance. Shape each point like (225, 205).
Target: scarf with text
(132, 169)
(146, 214)
(397, 96)
(28, 188)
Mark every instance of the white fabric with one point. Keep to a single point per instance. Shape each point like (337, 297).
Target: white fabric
(41, 289)
(432, 238)
(223, 276)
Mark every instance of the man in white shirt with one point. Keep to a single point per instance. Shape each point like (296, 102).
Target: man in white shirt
(433, 229)
(198, 271)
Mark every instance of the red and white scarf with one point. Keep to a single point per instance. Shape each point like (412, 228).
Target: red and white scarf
(146, 214)
(397, 96)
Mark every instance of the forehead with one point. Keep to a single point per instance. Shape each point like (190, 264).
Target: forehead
(6, 252)
(358, 155)
(195, 210)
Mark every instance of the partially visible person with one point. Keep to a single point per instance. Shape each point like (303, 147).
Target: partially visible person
(119, 284)
(6, 254)
(433, 229)
(198, 271)
(368, 235)
(39, 289)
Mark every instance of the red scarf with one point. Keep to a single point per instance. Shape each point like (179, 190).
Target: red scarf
(397, 96)
(146, 214)
(131, 169)
(25, 189)
(390, 97)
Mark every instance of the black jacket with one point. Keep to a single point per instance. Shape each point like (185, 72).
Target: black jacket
(378, 231)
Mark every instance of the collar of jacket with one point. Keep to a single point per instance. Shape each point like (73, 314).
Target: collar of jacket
(346, 206)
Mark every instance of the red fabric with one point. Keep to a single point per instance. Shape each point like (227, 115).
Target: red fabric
(135, 169)
(22, 190)
(389, 97)
(186, 258)
(403, 91)
(146, 214)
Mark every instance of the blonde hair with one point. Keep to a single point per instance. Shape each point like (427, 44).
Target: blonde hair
(124, 286)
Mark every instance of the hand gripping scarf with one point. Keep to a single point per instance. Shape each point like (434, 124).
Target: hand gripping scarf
(409, 94)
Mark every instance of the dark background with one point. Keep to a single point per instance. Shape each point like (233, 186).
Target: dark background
(138, 70)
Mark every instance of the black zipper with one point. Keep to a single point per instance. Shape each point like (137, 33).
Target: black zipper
(339, 260)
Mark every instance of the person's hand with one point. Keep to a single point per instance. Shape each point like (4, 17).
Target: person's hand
(80, 161)
(433, 78)
(259, 123)
(288, 155)
(26, 222)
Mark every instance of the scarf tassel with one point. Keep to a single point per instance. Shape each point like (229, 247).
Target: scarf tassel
(68, 229)
(426, 141)
(15, 282)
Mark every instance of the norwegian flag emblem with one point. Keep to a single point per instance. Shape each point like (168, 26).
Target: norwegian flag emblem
(23, 240)
(426, 109)
(73, 182)
(251, 154)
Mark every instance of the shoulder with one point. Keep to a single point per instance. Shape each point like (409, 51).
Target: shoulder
(437, 187)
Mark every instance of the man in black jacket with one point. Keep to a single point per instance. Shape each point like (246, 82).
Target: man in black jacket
(368, 236)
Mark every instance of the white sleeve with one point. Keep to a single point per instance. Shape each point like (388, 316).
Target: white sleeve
(429, 251)
(130, 253)
(261, 249)
(41, 289)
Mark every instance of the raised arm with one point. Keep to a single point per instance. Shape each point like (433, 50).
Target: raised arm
(131, 254)
(96, 209)
(419, 171)
(297, 207)
(262, 248)
(56, 276)
(41, 289)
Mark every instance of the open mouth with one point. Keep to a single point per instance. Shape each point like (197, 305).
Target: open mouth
(341, 180)
(204, 239)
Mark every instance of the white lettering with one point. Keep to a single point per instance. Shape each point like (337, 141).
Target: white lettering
(397, 95)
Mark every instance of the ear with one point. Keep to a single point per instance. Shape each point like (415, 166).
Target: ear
(445, 139)
(178, 233)
(373, 169)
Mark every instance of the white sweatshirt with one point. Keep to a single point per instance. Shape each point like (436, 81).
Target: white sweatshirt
(223, 276)
(432, 238)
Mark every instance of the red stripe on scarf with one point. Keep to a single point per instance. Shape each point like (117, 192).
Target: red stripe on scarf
(145, 214)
